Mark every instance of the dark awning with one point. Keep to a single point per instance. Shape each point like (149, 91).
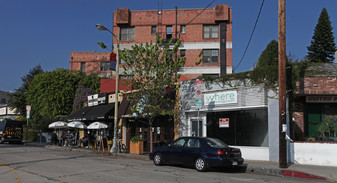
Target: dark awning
(93, 113)
(124, 109)
(101, 112)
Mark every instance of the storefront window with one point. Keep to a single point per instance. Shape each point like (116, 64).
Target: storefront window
(244, 128)
(317, 116)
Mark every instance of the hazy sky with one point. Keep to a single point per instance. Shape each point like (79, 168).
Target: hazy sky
(46, 31)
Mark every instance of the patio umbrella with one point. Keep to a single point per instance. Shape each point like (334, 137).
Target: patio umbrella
(97, 125)
(58, 125)
(77, 124)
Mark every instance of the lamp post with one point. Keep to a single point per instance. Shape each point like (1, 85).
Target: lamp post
(114, 148)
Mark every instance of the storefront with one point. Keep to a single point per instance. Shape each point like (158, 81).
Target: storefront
(239, 115)
(98, 110)
(315, 103)
(162, 128)
(318, 109)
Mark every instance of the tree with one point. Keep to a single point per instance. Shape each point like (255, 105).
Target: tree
(322, 46)
(17, 99)
(154, 69)
(266, 70)
(51, 95)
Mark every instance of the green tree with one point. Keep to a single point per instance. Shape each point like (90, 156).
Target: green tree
(17, 99)
(322, 46)
(266, 70)
(154, 69)
(51, 95)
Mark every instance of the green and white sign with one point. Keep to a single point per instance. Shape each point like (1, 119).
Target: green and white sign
(198, 103)
(226, 97)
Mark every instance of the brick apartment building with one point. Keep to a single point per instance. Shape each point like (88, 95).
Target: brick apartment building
(207, 30)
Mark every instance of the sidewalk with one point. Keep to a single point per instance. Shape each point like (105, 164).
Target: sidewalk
(257, 167)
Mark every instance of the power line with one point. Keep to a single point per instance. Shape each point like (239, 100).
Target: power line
(201, 12)
(251, 36)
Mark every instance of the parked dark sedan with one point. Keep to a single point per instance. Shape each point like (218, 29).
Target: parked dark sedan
(200, 152)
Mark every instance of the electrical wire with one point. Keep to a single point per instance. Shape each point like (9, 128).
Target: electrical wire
(251, 36)
(201, 12)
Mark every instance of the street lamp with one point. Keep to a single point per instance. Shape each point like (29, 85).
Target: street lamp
(114, 148)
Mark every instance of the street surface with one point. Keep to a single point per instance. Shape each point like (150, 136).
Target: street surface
(19, 163)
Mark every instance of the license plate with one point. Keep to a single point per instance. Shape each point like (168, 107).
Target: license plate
(234, 163)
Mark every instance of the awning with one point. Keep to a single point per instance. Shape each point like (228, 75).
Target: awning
(93, 113)
(124, 109)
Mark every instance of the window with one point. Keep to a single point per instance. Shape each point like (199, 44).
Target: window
(127, 33)
(180, 142)
(216, 143)
(169, 32)
(211, 31)
(83, 66)
(210, 56)
(182, 53)
(153, 29)
(193, 143)
(211, 75)
(183, 29)
(105, 66)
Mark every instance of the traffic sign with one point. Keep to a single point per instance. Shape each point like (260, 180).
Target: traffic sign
(198, 103)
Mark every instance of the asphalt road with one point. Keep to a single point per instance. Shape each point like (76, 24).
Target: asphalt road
(19, 163)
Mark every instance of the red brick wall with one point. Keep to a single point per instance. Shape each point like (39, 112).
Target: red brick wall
(298, 115)
(317, 85)
(143, 20)
(92, 60)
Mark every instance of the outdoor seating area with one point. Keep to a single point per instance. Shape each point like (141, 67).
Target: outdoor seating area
(78, 134)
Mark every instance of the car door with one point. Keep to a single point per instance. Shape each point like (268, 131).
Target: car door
(190, 151)
(174, 151)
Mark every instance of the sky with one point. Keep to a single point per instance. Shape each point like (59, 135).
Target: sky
(44, 32)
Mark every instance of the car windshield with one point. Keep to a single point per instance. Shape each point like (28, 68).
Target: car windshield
(215, 143)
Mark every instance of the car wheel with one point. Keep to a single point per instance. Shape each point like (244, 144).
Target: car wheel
(158, 159)
(200, 164)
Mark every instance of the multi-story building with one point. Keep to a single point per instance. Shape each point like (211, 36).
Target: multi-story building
(207, 30)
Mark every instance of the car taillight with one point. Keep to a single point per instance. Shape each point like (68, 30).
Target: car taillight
(221, 153)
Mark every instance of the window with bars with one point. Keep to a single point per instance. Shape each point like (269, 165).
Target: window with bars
(83, 66)
(153, 29)
(127, 33)
(169, 31)
(211, 31)
(105, 66)
(183, 29)
(182, 53)
(210, 56)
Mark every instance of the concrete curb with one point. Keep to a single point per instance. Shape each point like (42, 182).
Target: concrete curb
(283, 173)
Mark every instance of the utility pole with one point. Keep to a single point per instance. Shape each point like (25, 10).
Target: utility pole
(282, 83)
